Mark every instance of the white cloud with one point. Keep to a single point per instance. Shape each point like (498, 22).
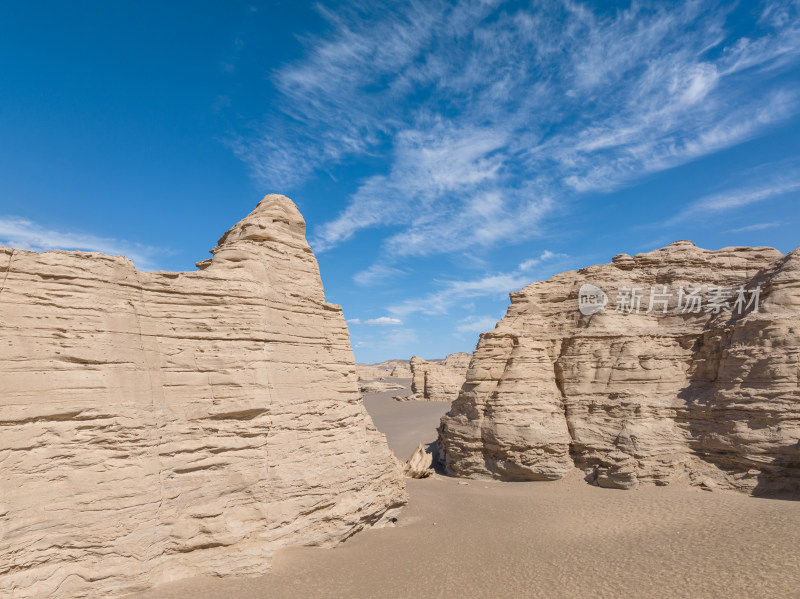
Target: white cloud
(399, 341)
(381, 321)
(530, 263)
(545, 255)
(490, 285)
(476, 324)
(779, 185)
(24, 234)
(455, 291)
(427, 165)
(755, 227)
(377, 273)
(486, 111)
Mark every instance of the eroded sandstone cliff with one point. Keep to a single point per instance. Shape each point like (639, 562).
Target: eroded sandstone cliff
(160, 425)
(641, 398)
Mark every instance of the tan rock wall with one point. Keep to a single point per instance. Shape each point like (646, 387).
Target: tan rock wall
(639, 398)
(161, 425)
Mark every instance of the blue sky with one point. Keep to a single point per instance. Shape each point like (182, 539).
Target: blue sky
(443, 154)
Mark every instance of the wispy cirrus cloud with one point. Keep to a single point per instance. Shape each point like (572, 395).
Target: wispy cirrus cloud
(398, 341)
(777, 185)
(382, 321)
(543, 257)
(377, 273)
(428, 164)
(487, 111)
(476, 324)
(24, 234)
(755, 227)
(452, 292)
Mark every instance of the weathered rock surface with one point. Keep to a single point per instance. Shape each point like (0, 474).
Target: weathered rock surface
(437, 380)
(643, 398)
(160, 425)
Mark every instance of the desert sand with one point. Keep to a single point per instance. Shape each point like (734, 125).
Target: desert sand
(405, 424)
(470, 538)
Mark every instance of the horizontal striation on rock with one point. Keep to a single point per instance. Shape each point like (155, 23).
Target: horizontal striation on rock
(161, 425)
(643, 398)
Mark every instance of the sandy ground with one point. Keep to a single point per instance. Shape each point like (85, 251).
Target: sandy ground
(551, 540)
(406, 424)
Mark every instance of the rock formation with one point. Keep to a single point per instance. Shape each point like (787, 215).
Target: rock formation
(420, 464)
(458, 362)
(378, 386)
(702, 391)
(160, 425)
(368, 372)
(433, 381)
(402, 371)
(390, 368)
(391, 365)
(371, 377)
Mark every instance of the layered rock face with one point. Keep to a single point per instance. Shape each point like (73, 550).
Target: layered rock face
(708, 395)
(160, 425)
(433, 381)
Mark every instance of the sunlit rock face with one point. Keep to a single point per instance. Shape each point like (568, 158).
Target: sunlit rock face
(665, 394)
(160, 425)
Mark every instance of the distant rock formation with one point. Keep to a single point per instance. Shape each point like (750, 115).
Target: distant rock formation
(371, 376)
(434, 381)
(392, 365)
(381, 370)
(158, 425)
(698, 385)
(402, 371)
(368, 372)
(378, 386)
